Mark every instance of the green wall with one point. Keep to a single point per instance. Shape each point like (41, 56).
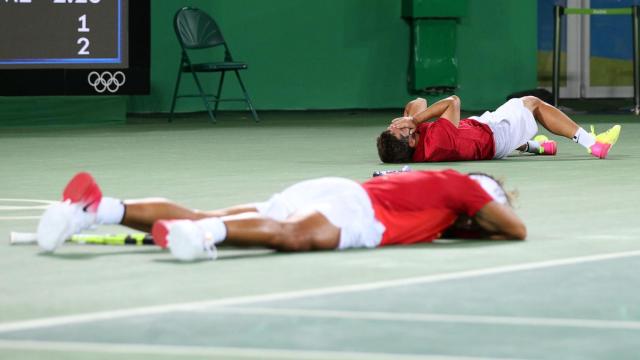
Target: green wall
(302, 54)
(336, 54)
(497, 50)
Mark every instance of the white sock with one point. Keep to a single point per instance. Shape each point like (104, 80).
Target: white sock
(583, 138)
(533, 147)
(110, 211)
(215, 227)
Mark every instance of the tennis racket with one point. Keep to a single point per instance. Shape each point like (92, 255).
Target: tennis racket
(18, 238)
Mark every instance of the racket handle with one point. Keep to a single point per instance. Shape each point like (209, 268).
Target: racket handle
(16, 238)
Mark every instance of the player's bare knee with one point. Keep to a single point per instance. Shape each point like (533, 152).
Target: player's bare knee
(531, 102)
(292, 240)
(287, 237)
(455, 101)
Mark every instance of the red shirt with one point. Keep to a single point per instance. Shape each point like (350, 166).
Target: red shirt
(442, 141)
(418, 206)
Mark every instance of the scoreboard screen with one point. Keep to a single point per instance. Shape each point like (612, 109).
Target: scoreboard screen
(71, 34)
(74, 47)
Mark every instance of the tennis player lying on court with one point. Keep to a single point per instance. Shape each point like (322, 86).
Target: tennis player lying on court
(493, 135)
(320, 214)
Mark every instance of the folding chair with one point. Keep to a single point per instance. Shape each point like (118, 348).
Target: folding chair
(196, 30)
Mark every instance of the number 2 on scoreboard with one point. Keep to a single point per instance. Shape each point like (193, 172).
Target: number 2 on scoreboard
(85, 46)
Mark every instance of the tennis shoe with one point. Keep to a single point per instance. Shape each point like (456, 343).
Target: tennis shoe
(76, 212)
(159, 232)
(547, 147)
(185, 239)
(608, 137)
(60, 221)
(600, 150)
(82, 189)
(604, 141)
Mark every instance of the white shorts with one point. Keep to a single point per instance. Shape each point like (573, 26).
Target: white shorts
(343, 202)
(512, 125)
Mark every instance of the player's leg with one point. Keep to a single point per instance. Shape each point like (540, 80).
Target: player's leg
(521, 127)
(141, 214)
(550, 117)
(559, 123)
(300, 232)
(512, 125)
(190, 240)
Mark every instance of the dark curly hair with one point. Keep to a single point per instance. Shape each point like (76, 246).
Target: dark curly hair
(392, 149)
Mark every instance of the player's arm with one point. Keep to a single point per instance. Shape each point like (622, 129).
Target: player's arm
(500, 222)
(448, 108)
(414, 107)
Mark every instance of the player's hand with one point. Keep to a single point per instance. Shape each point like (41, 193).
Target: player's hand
(405, 121)
(403, 127)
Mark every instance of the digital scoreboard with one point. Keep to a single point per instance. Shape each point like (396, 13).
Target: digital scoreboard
(74, 47)
(72, 34)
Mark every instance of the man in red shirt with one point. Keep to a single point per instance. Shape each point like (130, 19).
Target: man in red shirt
(493, 135)
(319, 214)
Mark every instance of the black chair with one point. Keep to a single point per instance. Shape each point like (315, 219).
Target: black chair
(196, 30)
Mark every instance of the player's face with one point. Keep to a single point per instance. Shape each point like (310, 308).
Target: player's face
(402, 132)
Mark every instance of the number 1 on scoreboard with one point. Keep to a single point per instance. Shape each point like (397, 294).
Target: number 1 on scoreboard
(83, 24)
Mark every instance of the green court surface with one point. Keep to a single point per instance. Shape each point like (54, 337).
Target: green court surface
(570, 291)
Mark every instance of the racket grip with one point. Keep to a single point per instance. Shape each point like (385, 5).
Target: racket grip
(16, 238)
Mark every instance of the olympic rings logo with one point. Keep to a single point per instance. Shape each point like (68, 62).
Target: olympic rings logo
(106, 81)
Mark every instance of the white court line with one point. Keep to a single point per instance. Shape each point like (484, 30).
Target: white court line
(259, 353)
(43, 206)
(37, 201)
(424, 317)
(21, 208)
(199, 305)
(19, 217)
